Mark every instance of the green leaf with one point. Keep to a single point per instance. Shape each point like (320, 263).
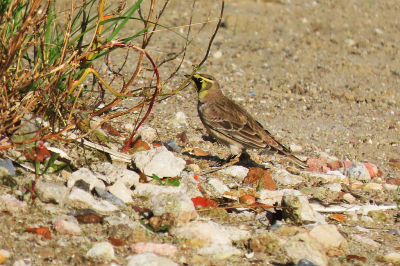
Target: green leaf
(147, 226)
(157, 178)
(50, 163)
(129, 14)
(164, 228)
(259, 183)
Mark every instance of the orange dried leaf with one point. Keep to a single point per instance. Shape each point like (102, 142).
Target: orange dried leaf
(338, 217)
(200, 152)
(200, 201)
(355, 257)
(116, 241)
(110, 129)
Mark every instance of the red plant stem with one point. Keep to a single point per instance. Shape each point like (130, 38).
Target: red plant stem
(153, 98)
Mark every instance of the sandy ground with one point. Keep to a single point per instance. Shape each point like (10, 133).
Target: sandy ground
(320, 74)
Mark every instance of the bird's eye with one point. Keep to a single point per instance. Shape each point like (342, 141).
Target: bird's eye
(200, 79)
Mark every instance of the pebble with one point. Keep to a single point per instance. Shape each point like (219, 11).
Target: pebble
(220, 252)
(108, 196)
(217, 54)
(349, 198)
(83, 196)
(66, 225)
(317, 166)
(166, 250)
(179, 120)
(368, 242)
(302, 245)
(166, 199)
(373, 186)
(372, 169)
(216, 188)
(329, 236)
(149, 259)
(199, 234)
(5, 253)
(13, 203)
(247, 199)
(8, 165)
(2, 258)
(236, 171)
(172, 146)
(87, 176)
(158, 161)
(236, 234)
(335, 187)
(357, 171)
(102, 250)
(305, 262)
(52, 193)
(299, 210)
(295, 148)
(20, 263)
(147, 133)
(284, 178)
(121, 191)
(189, 186)
(110, 174)
(392, 258)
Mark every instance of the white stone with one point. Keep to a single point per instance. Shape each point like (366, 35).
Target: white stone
(65, 224)
(236, 234)
(180, 120)
(217, 54)
(285, 178)
(147, 133)
(52, 193)
(5, 253)
(83, 196)
(167, 199)
(149, 259)
(357, 171)
(12, 203)
(329, 237)
(271, 197)
(303, 246)
(87, 176)
(300, 210)
(216, 187)
(295, 148)
(158, 161)
(336, 187)
(121, 191)
(207, 233)
(19, 263)
(236, 171)
(368, 242)
(103, 250)
(220, 252)
(189, 185)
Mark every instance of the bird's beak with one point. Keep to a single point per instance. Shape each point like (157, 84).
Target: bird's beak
(188, 76)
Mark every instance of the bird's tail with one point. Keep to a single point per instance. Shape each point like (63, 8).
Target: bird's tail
(297, 161)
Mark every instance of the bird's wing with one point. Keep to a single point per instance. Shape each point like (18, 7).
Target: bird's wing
(233, 122)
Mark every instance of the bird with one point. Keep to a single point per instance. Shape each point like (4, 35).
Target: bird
(232, 125)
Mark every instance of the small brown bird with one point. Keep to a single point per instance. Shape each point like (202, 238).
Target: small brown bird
(230, 124)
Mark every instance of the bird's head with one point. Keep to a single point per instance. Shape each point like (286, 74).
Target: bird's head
(203, 83)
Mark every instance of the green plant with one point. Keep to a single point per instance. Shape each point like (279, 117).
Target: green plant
(39, 155)
(167, 182)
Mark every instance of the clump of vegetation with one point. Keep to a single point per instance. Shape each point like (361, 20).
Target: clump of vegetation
(44, 63)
